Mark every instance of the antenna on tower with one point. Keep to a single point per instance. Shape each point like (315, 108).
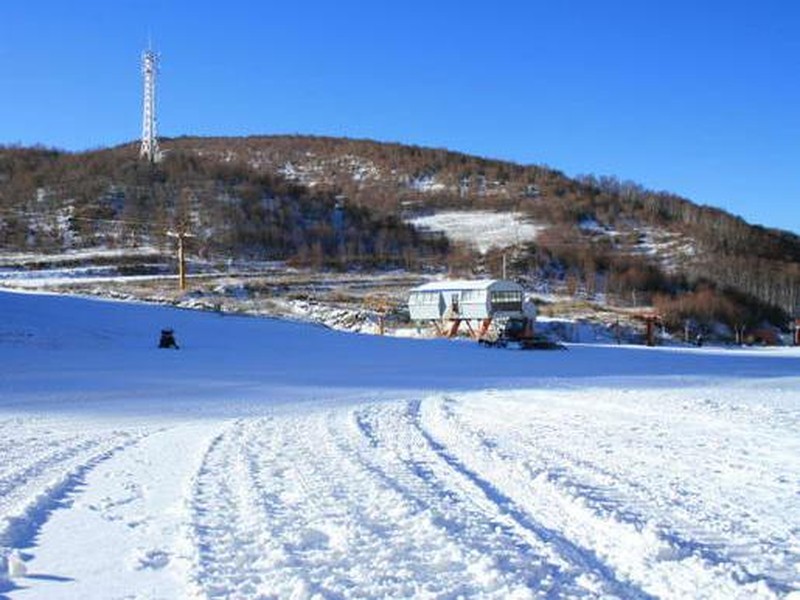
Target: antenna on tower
(149, 149)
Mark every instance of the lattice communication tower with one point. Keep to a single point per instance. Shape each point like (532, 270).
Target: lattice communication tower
(149, 150)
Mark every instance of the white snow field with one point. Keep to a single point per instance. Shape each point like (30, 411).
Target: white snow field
(271, 459)
(481, 228)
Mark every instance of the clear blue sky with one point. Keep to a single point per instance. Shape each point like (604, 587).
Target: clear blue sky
(700, 97)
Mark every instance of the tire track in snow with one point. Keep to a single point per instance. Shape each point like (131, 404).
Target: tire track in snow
(300, 520)
(584, 558)
(465, 551)
(604, 489)
(685, 520)
(636, 554)
(27, 464)
(49, 482)
(577, 571)
(404, 499)
(287, 506)
(223, 508)
(391, 451)
(683, 533)
(250, 511)
(127, 531)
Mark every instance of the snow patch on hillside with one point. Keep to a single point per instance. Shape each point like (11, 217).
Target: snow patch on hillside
(482, 229)
(312, 170)
(22, 259)
(671, 250)
(426, 184)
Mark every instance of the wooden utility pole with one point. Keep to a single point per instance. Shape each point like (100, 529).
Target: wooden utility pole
(381, 305)
(181, 236)
(650, 322)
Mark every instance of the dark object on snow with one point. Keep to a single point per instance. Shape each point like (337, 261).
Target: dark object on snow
(518, 333)
(167, 339)
(537, 342)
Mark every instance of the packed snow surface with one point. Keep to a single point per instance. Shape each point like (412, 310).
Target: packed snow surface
(270, 459)
(480, 228)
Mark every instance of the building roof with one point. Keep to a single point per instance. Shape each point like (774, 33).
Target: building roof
(448, 285)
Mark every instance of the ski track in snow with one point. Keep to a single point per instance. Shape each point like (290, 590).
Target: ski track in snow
(128, 501)
(296, 507)
(433, 498)
(473, 495)
(443, 498)
(41, 471)
(676, 536)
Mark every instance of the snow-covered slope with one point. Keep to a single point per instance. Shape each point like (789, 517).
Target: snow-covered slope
(275, 459)
(480, 228)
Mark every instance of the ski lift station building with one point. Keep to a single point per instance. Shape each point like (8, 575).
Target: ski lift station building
(467, 300)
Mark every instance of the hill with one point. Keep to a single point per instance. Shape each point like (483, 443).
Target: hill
(339, 203)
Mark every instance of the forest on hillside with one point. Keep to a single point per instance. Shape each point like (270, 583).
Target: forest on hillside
(338, 203)
(51, 200)
(752, 273)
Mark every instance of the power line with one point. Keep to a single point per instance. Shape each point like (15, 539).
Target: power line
(76, 218)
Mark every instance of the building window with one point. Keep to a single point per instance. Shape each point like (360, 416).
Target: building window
(506, 301)
(473, 296)
(430, 297)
